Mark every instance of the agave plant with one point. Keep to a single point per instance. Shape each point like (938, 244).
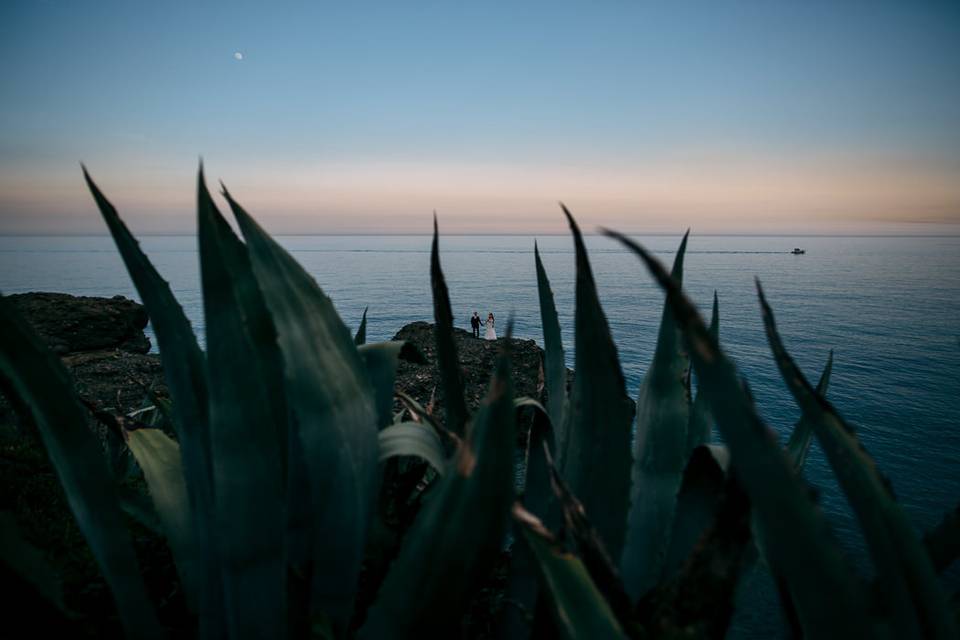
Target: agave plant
(630, 523)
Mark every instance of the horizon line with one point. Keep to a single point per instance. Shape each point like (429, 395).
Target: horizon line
(504, 235)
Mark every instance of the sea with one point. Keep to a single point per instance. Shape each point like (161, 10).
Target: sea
(889, 307)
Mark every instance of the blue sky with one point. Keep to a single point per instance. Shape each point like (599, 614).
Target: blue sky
(364, 117)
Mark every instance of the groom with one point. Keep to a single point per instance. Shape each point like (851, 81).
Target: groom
(475, 323)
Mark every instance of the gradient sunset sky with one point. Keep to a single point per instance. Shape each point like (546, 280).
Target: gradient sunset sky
(341, 117)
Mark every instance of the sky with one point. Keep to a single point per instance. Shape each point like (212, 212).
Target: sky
(365, 117)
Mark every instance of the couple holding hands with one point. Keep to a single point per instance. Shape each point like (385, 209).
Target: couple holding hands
(490, 334)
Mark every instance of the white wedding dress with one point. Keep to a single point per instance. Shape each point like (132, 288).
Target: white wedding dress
(491, 333)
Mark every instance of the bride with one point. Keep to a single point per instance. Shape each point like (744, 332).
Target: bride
(491, 332)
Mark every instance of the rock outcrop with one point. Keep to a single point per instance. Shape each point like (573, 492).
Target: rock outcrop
(477, 361)
(71, 324)
(101, 342)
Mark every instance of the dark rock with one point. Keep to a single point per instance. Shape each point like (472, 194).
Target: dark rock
(70, 324)
(102, 344)
(477, 359)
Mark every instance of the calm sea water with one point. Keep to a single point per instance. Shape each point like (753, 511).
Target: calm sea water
(889, 307)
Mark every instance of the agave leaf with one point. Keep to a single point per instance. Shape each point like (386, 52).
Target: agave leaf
(699, 601)
(184, 369)
(799, 444)
(138, 505)
(381, 360)
(698, 431)
(413, 439)
(522, 588)
(597, 445)
(555, 368)
(451, 377)
(578, 608)
(28, 563)
(333, 456)
(42, 382)
(248, 429)
(830, 601)
(907, 579)
(457, 536)
(591, 549)
(698, 502)
(361, 335)
(660, 452)
(943, 542)
(159, 458)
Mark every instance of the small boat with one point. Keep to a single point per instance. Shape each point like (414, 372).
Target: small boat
(797, 251)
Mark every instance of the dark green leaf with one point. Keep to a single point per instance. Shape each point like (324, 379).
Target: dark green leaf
(248, 429)
(413, 439)
(41, 381)
(555, 368)
(829, 600)
(660, 453)
(361, 336)
(698, 432)
(184, 369)
(799, 444)
(523, 578)
(27, 562)
(448, 362)
(333, 452)
(597, 448)
(159, 458)
(458, 535)
(908, 582)
(698, 503)
(381, 360)
(578, 608)
(138, 505)
(699, 601)
(943, 542)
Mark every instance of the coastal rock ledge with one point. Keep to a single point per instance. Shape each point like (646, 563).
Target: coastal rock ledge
(101, 341)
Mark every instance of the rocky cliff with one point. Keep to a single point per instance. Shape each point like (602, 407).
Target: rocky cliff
(102, 344)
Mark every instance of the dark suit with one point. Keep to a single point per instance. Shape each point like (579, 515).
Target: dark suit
(475, 323)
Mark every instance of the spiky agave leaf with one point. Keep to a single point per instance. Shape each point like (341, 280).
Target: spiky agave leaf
(829, 600)
(413, 439)
(597, 446)
(698, 501)
(912, 596)
(361, 336)
(802, 436)
(660, 452)
(29, 566)
(40, 379)
(381, 360)
(523, 579)
(456, 537)
(943, 542)
(699, 601)
(333, 457)
(579, 610)
(698, 431)
(159, 457)
(184, 369)
(248, 429)
(451, 377)
(555, 368)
